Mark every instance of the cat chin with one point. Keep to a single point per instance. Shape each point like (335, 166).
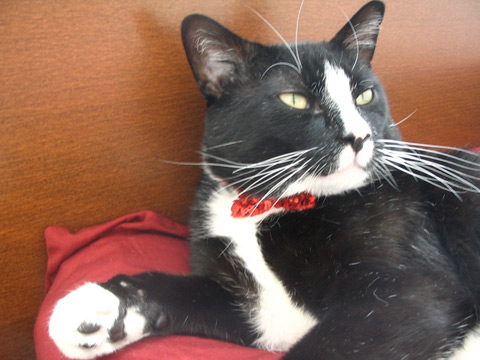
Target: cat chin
(350, 178)
(351, 174)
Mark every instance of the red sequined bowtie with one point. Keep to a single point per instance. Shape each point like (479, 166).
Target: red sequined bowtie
(246, 205)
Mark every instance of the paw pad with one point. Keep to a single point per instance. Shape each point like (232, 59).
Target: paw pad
(88, 328)
(82, 322)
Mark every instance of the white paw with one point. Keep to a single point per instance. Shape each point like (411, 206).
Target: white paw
(81, 321)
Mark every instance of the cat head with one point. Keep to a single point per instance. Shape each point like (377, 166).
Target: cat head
(289, 118)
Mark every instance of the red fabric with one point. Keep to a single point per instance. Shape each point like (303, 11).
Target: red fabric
(131, 244)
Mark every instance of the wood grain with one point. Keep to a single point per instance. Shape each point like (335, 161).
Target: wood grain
(94, 94)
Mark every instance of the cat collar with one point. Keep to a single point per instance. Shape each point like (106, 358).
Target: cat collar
(247, 205)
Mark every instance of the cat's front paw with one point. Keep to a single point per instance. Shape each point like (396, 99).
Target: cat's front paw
(91, 321)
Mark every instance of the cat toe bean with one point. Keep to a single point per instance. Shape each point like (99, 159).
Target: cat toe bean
(88, 328)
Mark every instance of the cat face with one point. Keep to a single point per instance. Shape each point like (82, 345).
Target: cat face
(285, 119)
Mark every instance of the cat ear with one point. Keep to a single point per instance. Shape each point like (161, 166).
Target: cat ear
(361, 32)
(216, 55)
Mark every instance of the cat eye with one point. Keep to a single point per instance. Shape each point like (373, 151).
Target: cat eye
(294, 100)
(364, 98)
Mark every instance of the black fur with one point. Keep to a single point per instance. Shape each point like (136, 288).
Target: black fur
(390, 270)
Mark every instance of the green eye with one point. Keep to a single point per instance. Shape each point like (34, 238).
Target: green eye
(294, 100)
(364, 98)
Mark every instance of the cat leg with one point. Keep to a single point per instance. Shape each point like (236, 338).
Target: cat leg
(100, 318)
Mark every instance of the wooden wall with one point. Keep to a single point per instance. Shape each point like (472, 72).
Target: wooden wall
(93, 94)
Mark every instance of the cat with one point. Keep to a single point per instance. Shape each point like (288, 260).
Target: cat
(315, 229)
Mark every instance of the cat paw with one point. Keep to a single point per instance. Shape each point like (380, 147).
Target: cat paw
(91, 321)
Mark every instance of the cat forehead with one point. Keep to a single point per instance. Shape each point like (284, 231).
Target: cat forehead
(317, 61)
(309, 54)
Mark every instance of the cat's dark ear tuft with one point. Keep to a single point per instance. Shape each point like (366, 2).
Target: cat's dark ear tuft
(216, 55)
(361, 32)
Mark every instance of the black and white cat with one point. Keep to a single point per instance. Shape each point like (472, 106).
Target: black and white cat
(315, 229)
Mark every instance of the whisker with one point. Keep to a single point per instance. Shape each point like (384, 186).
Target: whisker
(440, 156)
(449, 174)
(438, 162)
(404, 119)
(263, 173)
(318, 169)
(299, 65)
(284, 192)
(382, 172)
(266, 169)
(266, 166)
(229, 186)
(278, 185)
(199, 164)
(433, 168)
(279, 159)
(296, 32)
(433, 180)
(276, 172)
(278, 64)
(242, 166)
(223, 145)
(238, 164)
(289, 169)
(426, 147)
(315, 166)
(233, 164)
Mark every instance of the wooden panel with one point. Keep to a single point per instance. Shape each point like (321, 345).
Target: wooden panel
(93, 94)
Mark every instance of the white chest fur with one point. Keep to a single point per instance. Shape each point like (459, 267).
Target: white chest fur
(279, 322)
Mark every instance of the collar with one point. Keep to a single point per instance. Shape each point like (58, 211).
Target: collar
(248, 205)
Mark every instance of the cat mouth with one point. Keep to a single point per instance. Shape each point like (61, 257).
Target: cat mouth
(349, 159)
(353, 167)
(352, 172)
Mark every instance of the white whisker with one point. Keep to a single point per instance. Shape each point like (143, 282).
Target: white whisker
(223, 145)
(199, 164)
(244, 180)
(278, 185)
(421, 161)
(259, 173)
(296, 33)
(318, 169)
(451, 178)
(382, 172)
(238, 164)
(424, 147)
(297, 180)
(299, 65)
(268, 176)
(279, 159)
(278, 64)
(404, 119)
(431, 179)
(438, 162)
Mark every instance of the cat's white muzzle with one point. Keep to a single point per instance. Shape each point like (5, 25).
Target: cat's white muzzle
(348, 157)
(351, 174)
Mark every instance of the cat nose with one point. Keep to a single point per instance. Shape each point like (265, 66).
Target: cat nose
(355, 142)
